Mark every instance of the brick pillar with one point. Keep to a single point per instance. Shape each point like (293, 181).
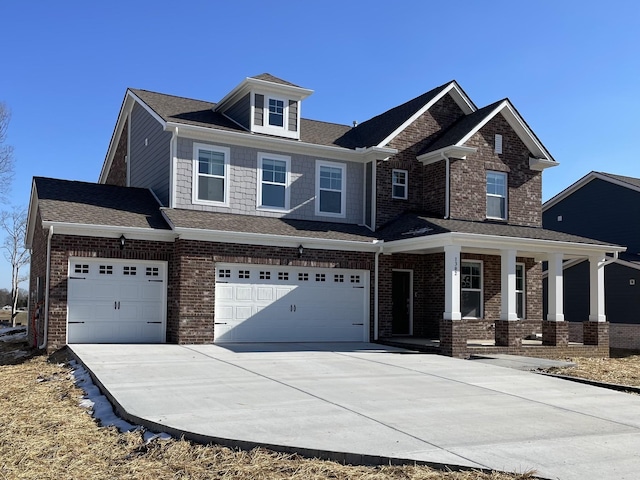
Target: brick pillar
(555, 334)
(453, 338)
(508, 333)
(596, 333)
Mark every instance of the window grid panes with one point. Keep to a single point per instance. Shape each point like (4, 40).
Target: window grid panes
(520, 290)
(338, 278)
(244, 274)
(265, 275)
(399, 184)
(303, 277)
(105, 270)
(471, 289)
(355, 278)
(81, 268)
(283, 275)
(276, 112)
(330, 189)
(224, 274)
(274, 183)
(496, 195)
(126, 270)
(320, 277)
(211, 175)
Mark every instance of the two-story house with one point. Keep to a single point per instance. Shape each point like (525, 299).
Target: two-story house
(242, 221)
(607, 207)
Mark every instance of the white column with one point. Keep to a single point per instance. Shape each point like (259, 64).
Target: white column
(554, 287)
(452, 283)
(596, 289)
(508, 285)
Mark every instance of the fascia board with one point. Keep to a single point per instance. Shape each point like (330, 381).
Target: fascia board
(117, 132)
(290, 91)
(109, 231)
(571, 189)
(281, 145)
(456, 151)
(147, 108)
(31, 216)
(247, 238)
(625, 263)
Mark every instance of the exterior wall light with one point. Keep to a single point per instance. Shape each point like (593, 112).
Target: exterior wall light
(300, 251)
(122, 240)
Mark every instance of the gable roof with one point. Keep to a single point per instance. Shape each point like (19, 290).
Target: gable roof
(68, 203)
(381, 129)
(631, 183)
(267, 77)
(463, 129)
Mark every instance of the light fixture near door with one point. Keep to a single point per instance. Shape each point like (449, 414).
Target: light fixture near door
(122, 241)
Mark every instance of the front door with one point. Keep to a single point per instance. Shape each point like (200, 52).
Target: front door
(401, 296)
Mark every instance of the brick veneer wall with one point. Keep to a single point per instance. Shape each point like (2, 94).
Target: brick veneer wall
(468, 177)
(409, 143)
(118, 172)
(37, 270)
(624, 336)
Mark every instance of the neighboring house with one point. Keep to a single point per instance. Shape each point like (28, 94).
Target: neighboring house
(607, 207)
(242, 221)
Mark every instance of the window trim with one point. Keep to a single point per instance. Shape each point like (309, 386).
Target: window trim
(493, 195)
(226, 151)
(287, 185)
(481, 289)
(285, 112)
(523, 291)
(405, 185)
(343, 198)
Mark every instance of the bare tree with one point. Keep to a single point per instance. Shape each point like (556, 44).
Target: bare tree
(14, 224)
(6, 152)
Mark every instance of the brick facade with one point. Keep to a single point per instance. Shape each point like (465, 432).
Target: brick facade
(118, 172)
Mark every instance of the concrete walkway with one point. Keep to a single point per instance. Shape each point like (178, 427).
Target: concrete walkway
(366, 403)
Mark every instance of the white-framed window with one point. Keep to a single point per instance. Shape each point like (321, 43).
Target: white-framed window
(276, 108)
(497, 195)
(331, 189)
(399, 184)
(210, 174)
(520, 291)
(471, 289)
(273, 181)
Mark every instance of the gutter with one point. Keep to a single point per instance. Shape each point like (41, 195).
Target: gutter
(46, 295)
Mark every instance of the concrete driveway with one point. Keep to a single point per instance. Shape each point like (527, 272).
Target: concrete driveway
(366, 402)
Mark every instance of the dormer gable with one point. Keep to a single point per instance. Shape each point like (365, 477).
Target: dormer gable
(265, 104)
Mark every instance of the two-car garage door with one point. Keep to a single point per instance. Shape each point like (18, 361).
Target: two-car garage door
(116, 301)
(263, 303)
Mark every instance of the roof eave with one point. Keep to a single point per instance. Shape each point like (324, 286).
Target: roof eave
(249, 84)
(452, 151)
(109, 231)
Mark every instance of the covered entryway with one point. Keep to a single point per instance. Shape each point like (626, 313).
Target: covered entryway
(116, 301)
(402, 302)
(264, 303)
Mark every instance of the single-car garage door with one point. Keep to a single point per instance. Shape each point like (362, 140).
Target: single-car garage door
(116, 301)
(262, 303)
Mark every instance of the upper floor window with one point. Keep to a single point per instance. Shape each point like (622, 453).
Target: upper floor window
(276, 112)
(399, 184)
(497, 195)
(330, 188)
(210, 174)
(273, 186)
(471, 289)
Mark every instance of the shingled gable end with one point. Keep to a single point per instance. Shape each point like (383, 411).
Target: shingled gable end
(243, 221)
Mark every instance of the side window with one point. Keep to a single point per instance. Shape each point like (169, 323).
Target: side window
(497, 195)
(330, 189)
(273, 184)
(520, 290)
(471, 289)
(399, 184)
(210, 174)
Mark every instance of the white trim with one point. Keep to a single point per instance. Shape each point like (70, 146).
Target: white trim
(267, 128)
(287, 183)
(493, 195)
(524, 291)
(410, 271)
(127, 157)
(109, 231)
(458, 96)
(250, 84)
(452, 151)
(226, 151)
(405, 184)
(581, 183)
(343, 191)
(481, 290)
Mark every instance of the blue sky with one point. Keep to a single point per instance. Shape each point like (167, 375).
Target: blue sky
(571, 68)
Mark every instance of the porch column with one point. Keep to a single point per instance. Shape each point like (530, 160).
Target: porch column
(596, 329)
(453, 332)
(508, 330)
(555, 331)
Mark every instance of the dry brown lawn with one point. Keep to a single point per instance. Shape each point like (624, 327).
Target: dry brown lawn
(623, 369)
(44, 434)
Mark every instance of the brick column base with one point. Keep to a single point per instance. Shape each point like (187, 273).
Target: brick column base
(508, 333)
(595, 333)
(555, 334)
(453, 338)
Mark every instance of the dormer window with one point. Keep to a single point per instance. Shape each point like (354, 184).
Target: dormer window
(276, 112)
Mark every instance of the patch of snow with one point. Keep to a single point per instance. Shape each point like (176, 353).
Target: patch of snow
(101, 409)
(13, 334)
(418, 231)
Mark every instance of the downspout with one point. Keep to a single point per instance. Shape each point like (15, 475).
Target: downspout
(173, 167)
(46, 295)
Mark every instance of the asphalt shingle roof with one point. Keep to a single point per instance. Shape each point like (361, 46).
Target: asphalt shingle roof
(86, 203)
(228, 222)
(415, 225)
(630, 180)
(273, 79)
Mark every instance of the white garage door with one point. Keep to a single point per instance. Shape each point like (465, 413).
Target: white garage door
(116, 301)
(260, 303)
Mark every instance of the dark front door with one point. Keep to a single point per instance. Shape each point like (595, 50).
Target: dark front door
(401, 296)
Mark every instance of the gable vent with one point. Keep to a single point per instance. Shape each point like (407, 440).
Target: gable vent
(498, 144)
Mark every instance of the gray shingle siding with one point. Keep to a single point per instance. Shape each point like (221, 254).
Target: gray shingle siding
(243, 185)
(241, 111)
(258, 110)
(599, 210)
(150, 162)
